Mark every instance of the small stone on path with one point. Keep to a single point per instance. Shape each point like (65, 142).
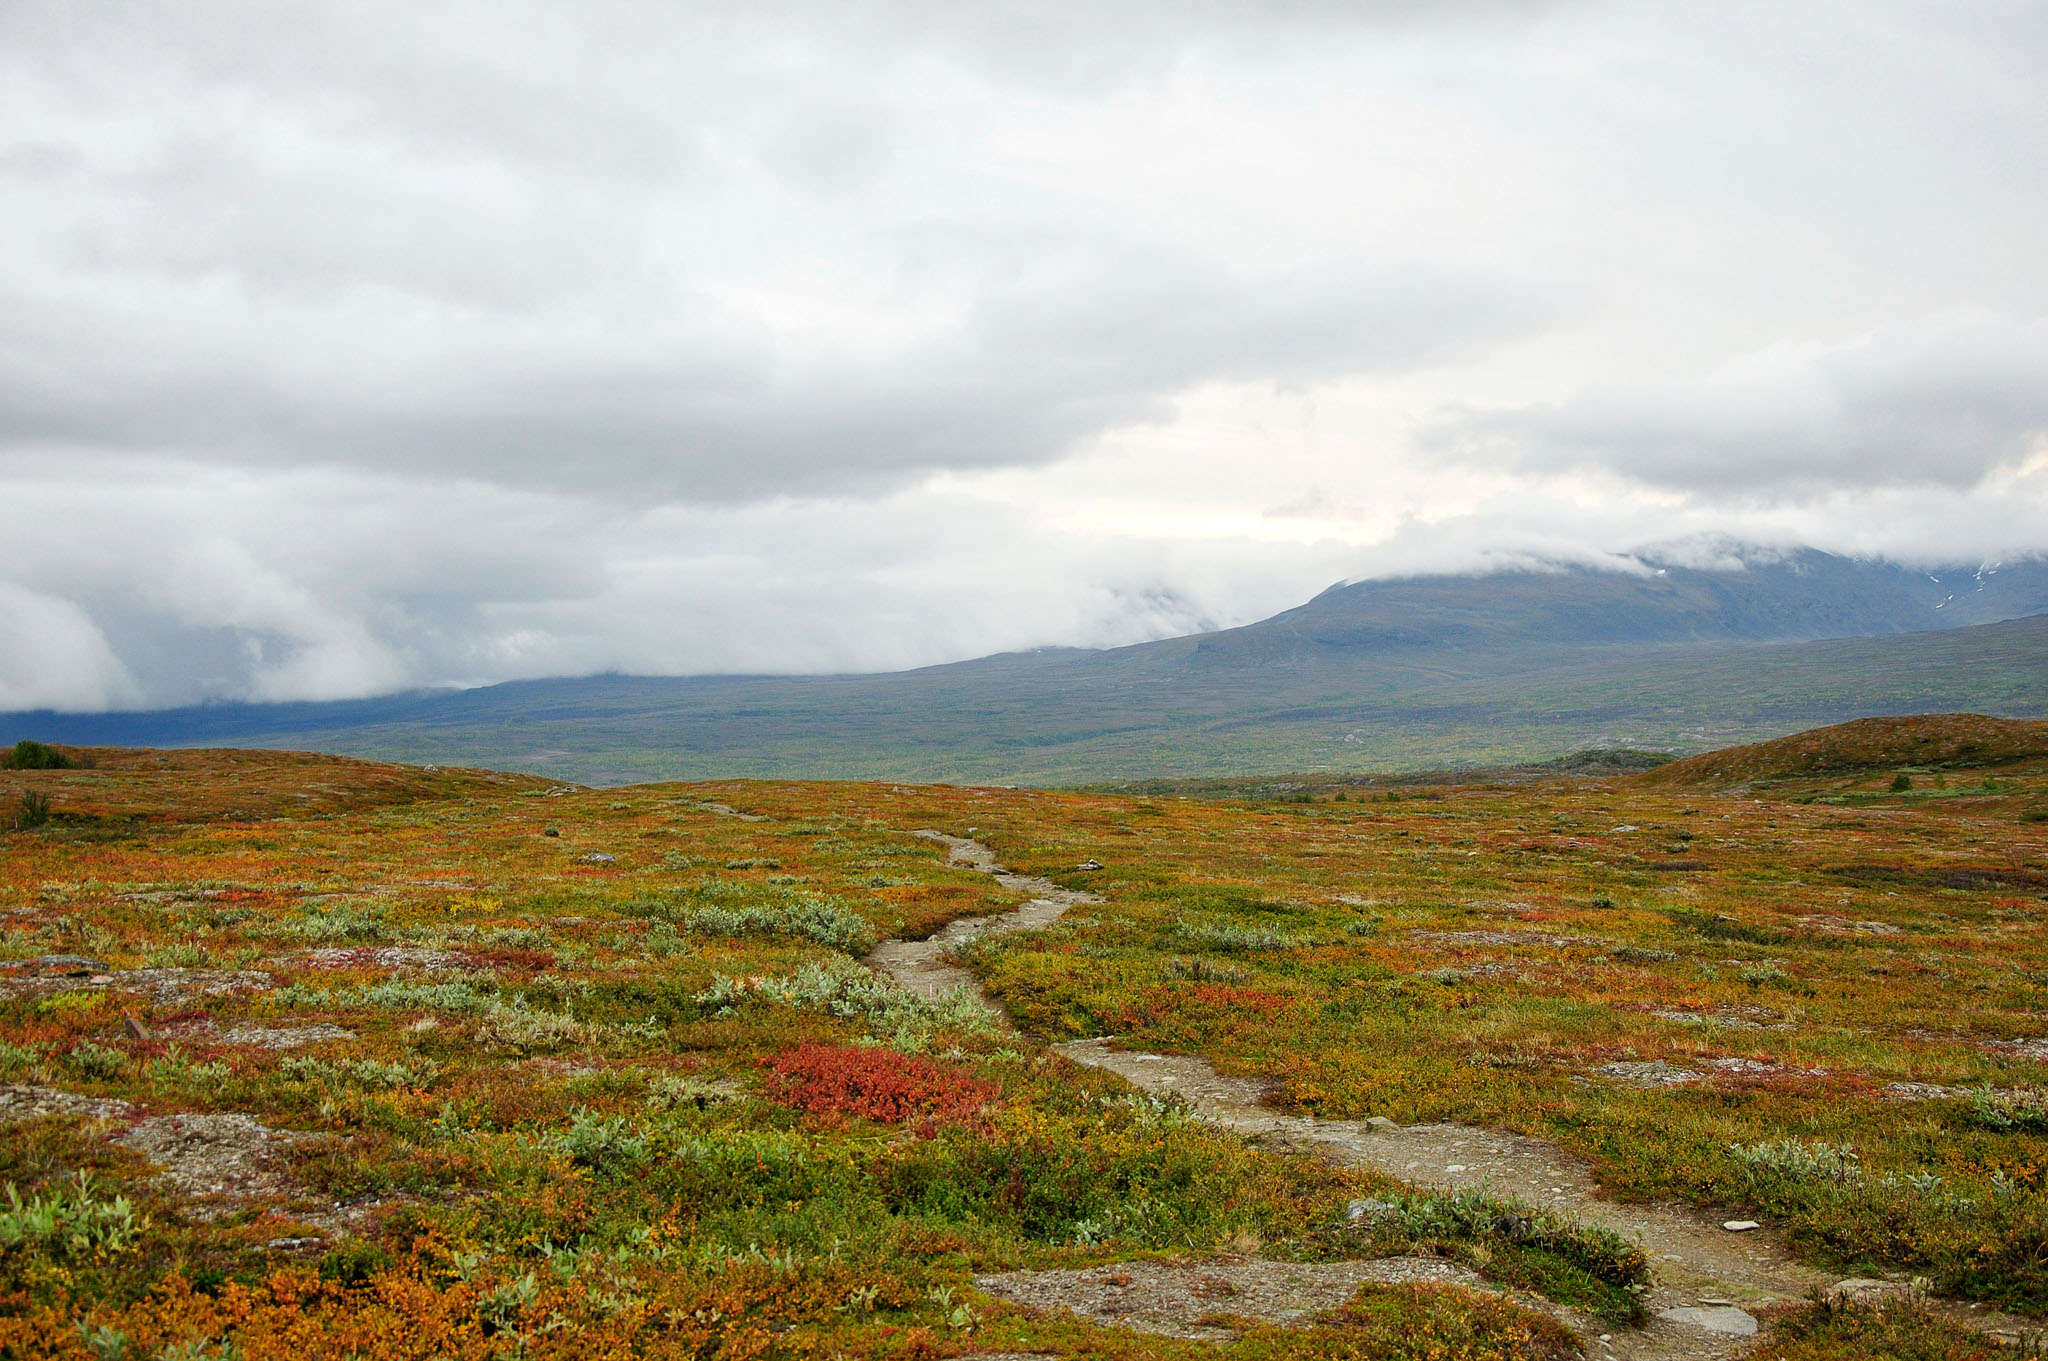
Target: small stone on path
(1741, 1225)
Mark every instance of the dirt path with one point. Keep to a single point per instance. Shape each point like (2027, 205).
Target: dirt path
(1708, 1278)
(921, 965)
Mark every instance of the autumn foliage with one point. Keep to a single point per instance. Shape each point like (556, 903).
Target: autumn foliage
(837, 1081)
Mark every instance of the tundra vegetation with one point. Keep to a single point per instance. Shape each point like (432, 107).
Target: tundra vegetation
(304, 1056)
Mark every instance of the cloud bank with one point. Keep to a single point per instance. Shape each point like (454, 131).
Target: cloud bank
(345, 349)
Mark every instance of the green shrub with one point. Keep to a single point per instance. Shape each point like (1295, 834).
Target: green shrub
(751, 910)
(73, 1223)
(97, 1060)
(28, 755)
(1571, 1262)
(601, 1142)
(839, 987)
(32, 811)
(2009, 1111)
(1797, 1160)
(1224, 938)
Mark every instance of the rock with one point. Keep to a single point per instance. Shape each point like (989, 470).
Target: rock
(1715, 1319)
(223, 1159)
(1741, 1225)
(58, 964)
(283, 1037)
(1865, 1290)
(1625, 827)
(135, 1028)
(1648, 1073)
(1089, 865)
(1380, 1122)
(24, 1102)
(598, 858)
(1368, 1210)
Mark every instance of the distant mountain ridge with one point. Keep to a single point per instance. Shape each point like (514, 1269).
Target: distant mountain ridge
(1804, 594)
(1397, 673)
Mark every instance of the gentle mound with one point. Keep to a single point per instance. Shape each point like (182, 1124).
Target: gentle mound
(1925, 741)
(198, 784)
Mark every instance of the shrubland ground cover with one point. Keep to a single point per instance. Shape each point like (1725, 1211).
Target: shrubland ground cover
(318, 1054)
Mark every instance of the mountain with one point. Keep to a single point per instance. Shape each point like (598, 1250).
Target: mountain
(1385, 674)
(1504, 617)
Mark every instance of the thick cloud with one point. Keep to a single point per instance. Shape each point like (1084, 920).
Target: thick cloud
(426, 245)
(352, 347)
(1945, 403)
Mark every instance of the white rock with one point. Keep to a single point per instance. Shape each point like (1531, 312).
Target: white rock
(1723, 1319)
(1741, 1225)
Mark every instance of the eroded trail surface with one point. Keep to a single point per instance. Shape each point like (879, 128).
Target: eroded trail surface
(1708, 1279)
(922, 966)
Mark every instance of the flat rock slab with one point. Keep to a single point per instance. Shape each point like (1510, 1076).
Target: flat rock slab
(23, 1102)
(1716, 1318)
(1170, 1297)
(283, 1037)
(392, 957)
(163, 987)
(219, 1161)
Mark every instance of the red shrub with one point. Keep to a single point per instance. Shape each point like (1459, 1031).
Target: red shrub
(875, 1084)
(1228, 998)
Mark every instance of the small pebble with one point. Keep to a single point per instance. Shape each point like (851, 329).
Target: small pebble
(1741, 1225)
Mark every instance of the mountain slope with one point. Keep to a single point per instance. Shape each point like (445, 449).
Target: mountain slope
(1378, 675)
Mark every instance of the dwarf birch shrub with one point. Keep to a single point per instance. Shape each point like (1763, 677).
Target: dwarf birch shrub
(730, 909)
(2009, 1111)
(839, 987)
(524, 1027)
(604, 1142)
(1224, 938)
(1798, 1160)
(329, 926)
(68, 1223)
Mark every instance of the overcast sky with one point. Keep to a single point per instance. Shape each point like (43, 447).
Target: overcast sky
(348, 348)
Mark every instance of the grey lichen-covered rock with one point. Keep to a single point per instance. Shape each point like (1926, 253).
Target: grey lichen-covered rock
(1718, 1318)
(1648, 1073)
(24, 1102)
